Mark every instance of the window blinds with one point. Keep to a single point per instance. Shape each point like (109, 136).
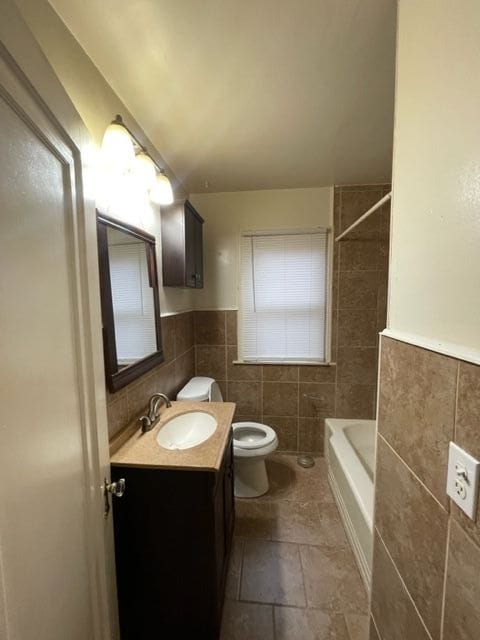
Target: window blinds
(133, 305)
(283, 296)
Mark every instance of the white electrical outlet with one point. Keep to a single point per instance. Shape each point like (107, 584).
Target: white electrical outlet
(462, 479)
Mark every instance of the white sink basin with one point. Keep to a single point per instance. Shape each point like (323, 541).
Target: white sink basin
(186, 430)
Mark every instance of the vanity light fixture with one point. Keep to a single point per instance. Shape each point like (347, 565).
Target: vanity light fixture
(145, 170)
(117, 153)
(122, 152)
(161, 192)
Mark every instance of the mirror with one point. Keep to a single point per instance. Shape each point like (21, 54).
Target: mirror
(132, 338)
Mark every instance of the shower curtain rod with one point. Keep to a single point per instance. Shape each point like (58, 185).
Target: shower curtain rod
(365, 216)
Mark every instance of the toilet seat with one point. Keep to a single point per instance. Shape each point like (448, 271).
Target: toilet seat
(253, 439)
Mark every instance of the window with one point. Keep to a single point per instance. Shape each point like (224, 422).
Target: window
(283, 296)
(133, 304)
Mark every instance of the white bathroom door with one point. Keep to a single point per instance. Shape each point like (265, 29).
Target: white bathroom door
(56, 550)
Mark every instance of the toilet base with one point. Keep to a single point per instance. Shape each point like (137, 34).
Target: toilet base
(250, 480)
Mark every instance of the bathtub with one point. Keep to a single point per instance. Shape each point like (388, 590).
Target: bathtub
(350, 455)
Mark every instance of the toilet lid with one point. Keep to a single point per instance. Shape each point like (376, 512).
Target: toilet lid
(252, 435)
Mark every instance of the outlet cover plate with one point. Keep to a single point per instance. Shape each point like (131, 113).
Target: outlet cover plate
(463, 489)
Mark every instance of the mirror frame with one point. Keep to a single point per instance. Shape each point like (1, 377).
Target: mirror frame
(118, 378)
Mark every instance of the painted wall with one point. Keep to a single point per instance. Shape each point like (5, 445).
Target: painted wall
(435, 266)
(227, 214)
(97, 105)
(427, 552)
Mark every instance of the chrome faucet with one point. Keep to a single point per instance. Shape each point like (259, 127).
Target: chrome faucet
(149, 421)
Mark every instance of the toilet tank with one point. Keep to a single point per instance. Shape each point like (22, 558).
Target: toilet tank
(200, 389)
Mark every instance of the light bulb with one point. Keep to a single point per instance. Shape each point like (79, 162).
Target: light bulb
(117, 149)
(145, 170)
(161, 192)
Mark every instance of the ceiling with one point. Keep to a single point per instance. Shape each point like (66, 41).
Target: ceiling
(259, 94)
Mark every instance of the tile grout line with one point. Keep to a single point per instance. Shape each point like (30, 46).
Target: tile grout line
(397, 455)
(375, 625)
(444, 586)
(409, 595)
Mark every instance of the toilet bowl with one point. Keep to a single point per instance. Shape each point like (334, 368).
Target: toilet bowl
(252, 441)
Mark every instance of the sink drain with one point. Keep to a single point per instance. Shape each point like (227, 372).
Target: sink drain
(306, 462)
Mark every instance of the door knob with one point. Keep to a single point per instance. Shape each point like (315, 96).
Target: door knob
(116, 489)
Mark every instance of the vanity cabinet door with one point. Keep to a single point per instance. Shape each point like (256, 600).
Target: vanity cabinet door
(224, 518)
(229, 504)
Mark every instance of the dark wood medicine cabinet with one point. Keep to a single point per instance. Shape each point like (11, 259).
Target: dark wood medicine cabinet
(132, 338)
(182, 246)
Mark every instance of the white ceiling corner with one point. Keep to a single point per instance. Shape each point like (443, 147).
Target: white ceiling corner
(259, 94)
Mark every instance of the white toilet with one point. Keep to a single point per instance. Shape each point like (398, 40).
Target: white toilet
(252, 441)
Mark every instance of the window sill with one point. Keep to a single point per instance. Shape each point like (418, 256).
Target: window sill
(294, 363)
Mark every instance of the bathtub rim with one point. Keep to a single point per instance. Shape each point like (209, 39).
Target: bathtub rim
(362, 486)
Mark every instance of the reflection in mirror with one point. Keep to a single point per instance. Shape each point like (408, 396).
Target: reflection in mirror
(132, 298)
(130, 303)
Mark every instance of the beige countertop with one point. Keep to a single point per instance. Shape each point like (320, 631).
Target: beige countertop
(133, 448)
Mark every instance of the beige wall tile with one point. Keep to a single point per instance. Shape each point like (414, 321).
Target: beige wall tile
(118, 415)
(357, 328)
(358, 289)
(416, 409)
(413, 526)
(241, 371)
(356, 203)
(238, 417)
(168, 337)
(313, 373)
(247, 396)
(211, 361)
(280, 398)
(280, 373)
(184, 369)
(184, 336)
(357, 365)
(138, 394)
(311, 435)
(231, 320)
(317, 400)
(165, 379)
(358, 254)
(467, 427)
(467, 432)
(462, 592)
(357, 626)
(286, 429)
(355, 401)
(373, 635)
(210, 327)
(393, 610)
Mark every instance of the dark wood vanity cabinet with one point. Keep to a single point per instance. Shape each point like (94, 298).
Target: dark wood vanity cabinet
(173, 534)
(182, 246)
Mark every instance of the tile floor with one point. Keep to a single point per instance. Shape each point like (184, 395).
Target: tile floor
(292, 574)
